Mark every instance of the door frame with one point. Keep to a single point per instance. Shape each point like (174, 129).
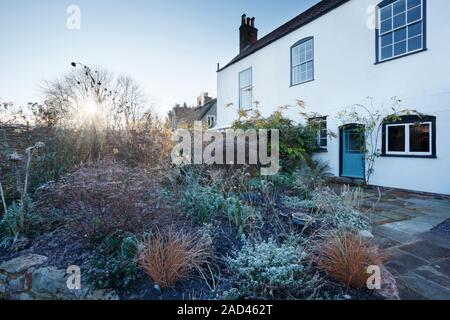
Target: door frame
(341, 145)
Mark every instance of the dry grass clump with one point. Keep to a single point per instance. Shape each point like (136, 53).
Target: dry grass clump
(345, 256)
(168, 258)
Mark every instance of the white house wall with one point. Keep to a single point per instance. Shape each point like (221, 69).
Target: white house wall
(345, 74)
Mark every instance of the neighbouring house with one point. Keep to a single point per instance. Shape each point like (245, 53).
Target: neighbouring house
(182, 116)
(335, 55)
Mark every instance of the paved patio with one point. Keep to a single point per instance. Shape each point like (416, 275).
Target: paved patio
(414, 228)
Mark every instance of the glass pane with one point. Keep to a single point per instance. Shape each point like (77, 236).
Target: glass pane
(309, 75)
(415, 43)
(399, 20)
(415, 30)
(386, 40)
(355, 140)
(386, 13)
(386, 26)
(295, 56)
(414, 14)
(246, 98)
(414, 3)
(399, 7)
(400, 35)
(245, 78)
(386, 52)
(419, 136)
(400, 48)
(309, 55)
(295, 75)
(396, 139)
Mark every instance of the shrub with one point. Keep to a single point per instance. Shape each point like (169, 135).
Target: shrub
(269, 270)
(18, 223)
(297, 142)
(310, 177)
(241, 214)
(114, 263)
(169, 258)
(104, 198)
(338, 210)
(345, 256)
(201, 202)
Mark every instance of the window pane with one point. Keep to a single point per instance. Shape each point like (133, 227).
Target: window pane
(400, 48)
(386, 26)
(386, 13)
(400, 35)
(386, 40)
(414, 14)
(399, 20)
(415, 30)
(355, 139)
(415, 43)
(386, 52)
(419, 137)
(246, 98)
(399, 7)
(245, 78)
(396, 139)
(413, 3)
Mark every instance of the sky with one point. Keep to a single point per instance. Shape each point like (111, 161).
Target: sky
(170, 47)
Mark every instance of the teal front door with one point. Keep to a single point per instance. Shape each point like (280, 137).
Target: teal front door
(353, 163)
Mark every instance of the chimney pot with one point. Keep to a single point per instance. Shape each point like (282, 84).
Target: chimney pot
(248, 33)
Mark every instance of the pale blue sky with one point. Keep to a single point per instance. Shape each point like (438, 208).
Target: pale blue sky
(171, 47)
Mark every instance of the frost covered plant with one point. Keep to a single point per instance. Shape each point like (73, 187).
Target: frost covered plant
(338, 210)
(267, 270)
(201, 202)
(292, 202)
(244, 216)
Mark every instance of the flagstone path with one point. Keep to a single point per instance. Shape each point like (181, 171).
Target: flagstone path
(414, 228)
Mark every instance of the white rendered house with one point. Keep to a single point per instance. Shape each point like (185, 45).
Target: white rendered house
(338, 53)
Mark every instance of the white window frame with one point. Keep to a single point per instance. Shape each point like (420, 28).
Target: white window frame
(248, 88)
(407, 151)
(406, 25)
(305, 62)
(211, 118)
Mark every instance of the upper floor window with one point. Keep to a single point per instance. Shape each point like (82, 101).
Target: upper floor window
(246, 89)
(401, 28)
(411, 136)
(302, 61)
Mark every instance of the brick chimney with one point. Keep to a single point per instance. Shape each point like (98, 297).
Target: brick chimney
(248, 33)
(203, 99)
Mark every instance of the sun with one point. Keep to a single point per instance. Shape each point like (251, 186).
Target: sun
(90, 108)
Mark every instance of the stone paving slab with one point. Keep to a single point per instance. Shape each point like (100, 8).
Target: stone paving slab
(426, 250)
(433, 274)
(401, 262)
(393, 235)
(443, 266)
(412, 226)
(425, 287)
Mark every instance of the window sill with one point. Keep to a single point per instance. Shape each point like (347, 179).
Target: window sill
(399, 57)
(298, 84)
(408, 156)
(321, 151)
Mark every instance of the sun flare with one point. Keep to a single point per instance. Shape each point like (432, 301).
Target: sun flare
(90, 108)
